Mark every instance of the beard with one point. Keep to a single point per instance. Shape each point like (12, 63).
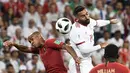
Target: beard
(84, 22)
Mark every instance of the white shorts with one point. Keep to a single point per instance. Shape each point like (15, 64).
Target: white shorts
(85, 66)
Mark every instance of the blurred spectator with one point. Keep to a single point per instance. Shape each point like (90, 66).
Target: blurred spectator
(1, 22)
(124, 50)
(17, 38)
(128, 39)
(10, 4)
(47, 4)
(40, 10)
(74, 3)
(10, 68)
(105, 38)
(30, 29)
(100, 13)
(110, 12)
(9, 15)
(101, 9)
(68, 13)
(31, 14)
(46, 27)
(26, 4)
(35, 66)
(52, 14)
(20, 8)
(61, 6)
(7, 57)
(4, 1)
(12, 27)
(91, 9)
(36, 2)
(117, 40)
(2, 67)
(4, 35)
(15, 59)
(1, 8)
(126, 19)
(119, 26)
(22, 69)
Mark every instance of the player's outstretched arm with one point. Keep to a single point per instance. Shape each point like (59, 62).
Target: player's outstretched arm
(101, 23)
(71, 51)
(88, 48)
(19, 47)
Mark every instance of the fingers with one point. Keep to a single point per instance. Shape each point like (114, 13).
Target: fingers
(7, 43)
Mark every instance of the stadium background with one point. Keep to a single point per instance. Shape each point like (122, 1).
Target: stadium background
(19, 18)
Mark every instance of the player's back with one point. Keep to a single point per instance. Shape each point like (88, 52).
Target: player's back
(110, 68)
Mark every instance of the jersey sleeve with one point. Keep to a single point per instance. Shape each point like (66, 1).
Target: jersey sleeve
(34, 50)
(82, 44)
(53, 43)
(100, 23)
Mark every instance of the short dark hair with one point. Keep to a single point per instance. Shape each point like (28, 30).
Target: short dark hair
(9, 65)
(111, 51)
(78, 9)
(34, 55)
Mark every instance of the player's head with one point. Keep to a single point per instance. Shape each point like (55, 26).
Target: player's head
(36, 39)
(82, 15)
(111, 52)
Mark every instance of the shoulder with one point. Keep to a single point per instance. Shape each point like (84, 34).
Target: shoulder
(97, 67)
(49, 40)
(53, 40)
(120, 65)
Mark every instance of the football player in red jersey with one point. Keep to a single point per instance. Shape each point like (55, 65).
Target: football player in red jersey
(111, 65)
(49, 51)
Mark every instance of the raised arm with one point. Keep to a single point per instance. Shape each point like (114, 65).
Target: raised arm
(19, 47)
(101, 23)
(71, 51)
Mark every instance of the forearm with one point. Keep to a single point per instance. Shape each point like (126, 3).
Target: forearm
(88, 48)
(71, 51)
(22, 48)
(101, 23)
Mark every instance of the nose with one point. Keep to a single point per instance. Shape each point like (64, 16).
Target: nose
(87, 16)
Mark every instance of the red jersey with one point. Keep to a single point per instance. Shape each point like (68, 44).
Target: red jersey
(51, 56)
(110, 68)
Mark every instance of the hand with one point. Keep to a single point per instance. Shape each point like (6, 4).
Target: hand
(103, 45)
(8, 43)
(113, 21)
(78, 60)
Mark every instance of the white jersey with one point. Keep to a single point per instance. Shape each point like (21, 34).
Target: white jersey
(83, 36)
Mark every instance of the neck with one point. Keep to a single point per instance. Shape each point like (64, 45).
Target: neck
(111, 60)
(42, 43)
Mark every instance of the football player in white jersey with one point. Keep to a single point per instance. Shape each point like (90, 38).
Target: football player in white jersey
(82, 35)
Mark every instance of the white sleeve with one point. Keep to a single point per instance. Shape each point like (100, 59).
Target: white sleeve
(88, 48)
(101, 23)
(83, 46)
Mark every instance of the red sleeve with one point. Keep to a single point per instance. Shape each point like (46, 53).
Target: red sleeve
(34, 50)
(53, 43)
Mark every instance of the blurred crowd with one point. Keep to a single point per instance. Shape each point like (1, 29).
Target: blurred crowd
(19, 18)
